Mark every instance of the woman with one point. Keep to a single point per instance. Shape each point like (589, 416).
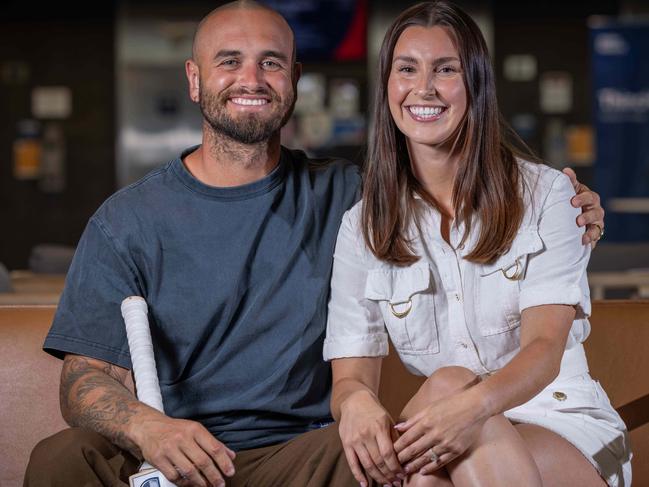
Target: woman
(470, 258)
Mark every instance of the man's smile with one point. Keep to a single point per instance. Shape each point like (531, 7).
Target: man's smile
(249, 101)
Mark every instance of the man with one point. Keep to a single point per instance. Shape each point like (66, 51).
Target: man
(231, 246)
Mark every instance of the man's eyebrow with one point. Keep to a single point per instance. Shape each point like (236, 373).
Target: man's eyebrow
(226, 53)
(275, 54)
(234, 53)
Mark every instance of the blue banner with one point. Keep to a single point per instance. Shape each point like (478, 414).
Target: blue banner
(620, 63)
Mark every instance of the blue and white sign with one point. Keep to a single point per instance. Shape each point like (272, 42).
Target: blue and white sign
(620, 62)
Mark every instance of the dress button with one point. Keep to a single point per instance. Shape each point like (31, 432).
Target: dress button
(457, 297)
(463, 345)
(559, 396)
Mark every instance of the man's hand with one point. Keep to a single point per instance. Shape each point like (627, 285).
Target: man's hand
(184, 451)
(94, 396)
(592, 212)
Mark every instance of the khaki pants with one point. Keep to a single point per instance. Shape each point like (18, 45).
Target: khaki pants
(81, 458)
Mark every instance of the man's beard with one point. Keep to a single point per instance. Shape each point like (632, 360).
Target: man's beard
(248, 128)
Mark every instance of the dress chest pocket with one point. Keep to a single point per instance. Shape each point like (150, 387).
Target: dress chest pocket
(498, 287)
(406, 298)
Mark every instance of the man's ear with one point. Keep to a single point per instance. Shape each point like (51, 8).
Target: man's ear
(297, 72)
(193, 79)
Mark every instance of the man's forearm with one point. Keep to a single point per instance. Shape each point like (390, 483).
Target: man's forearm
(96, 398)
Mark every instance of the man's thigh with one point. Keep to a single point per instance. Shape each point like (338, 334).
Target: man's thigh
(313, 459)
(77, 456)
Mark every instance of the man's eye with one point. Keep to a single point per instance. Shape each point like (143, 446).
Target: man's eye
(230, 62)
(270, 64)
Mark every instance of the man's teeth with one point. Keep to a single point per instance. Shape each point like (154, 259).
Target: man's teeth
(426, 111)
(249, 101)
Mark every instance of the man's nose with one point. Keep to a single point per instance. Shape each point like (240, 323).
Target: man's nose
(251, 76)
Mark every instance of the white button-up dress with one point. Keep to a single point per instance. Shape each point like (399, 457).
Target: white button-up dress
(444, 310)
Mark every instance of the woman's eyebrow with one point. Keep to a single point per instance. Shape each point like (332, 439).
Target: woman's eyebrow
(412, 60)
(405, 59)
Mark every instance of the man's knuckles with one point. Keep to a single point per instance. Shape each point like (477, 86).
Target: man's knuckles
(217, 450)
(204, 463)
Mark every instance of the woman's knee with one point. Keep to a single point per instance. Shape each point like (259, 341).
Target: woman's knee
(449, 380)
(444, 382)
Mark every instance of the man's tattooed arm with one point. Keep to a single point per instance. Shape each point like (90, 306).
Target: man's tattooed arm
(93, 395)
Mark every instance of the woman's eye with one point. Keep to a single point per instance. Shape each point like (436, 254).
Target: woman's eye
(447, 71)
(406, 69)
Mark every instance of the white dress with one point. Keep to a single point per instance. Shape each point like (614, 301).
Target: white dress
(444, 310)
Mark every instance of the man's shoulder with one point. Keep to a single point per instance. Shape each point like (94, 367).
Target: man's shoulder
(321, 164)
(331, 169)
(135, 197)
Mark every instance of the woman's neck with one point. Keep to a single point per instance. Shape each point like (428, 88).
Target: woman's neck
(435, 169)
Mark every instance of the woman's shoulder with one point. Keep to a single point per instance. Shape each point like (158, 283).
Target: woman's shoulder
(352, 217)
(351, 231)
(539, 180)
(539, 174)
(352, 241)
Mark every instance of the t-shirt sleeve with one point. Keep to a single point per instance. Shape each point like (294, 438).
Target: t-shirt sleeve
(557, 274)
(355, 325)
(88, 320)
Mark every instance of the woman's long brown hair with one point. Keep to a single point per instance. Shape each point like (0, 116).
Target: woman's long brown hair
(487, 180)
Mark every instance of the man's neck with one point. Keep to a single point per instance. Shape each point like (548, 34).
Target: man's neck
(224, 162)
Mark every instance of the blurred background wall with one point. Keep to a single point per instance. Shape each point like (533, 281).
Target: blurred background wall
(93, 98)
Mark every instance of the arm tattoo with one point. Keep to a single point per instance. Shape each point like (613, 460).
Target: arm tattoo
(95, 398)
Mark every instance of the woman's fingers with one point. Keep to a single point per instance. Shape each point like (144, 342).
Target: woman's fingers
(427, 463)
(443, 460)
(405, 445)
(385, 460)
(370, 467)
(355, 466)
(417, 463)
(385, 443)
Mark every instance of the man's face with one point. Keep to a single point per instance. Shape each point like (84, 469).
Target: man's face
(247, 81)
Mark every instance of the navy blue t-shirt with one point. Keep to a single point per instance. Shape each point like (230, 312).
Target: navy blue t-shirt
(237, 283)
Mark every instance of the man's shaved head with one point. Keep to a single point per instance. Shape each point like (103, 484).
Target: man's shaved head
(243, 72)
(236, 5)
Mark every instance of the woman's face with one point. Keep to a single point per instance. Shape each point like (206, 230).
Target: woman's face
(426, 90)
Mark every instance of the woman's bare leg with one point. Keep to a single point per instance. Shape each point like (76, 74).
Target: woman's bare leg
(499, 457)
(559, 462)
(438, 478)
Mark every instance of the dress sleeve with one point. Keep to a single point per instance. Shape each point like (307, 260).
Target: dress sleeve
(557, 274)
(88, 320)
(355, 326)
